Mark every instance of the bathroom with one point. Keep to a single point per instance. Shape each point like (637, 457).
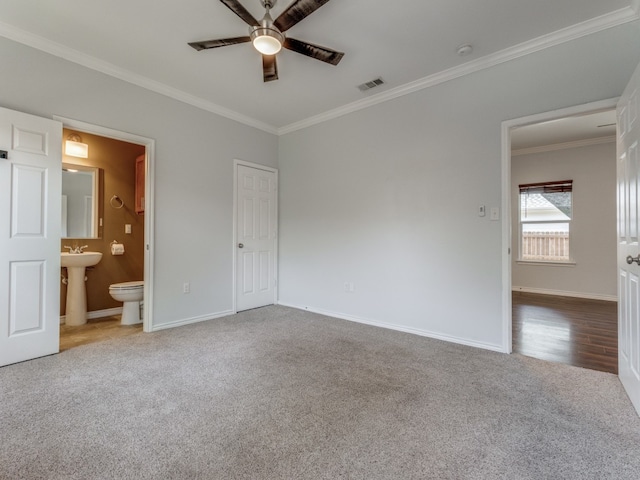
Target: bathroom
(119, 210)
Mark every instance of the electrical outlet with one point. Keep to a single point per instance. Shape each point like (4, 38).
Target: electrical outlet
(186, 287)
(495, 213)
(127, 228)
(349, 287)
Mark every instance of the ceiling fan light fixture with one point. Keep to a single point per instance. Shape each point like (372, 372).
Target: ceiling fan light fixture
(267, 41)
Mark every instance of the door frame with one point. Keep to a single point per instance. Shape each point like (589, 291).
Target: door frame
(507, 125)
(257, 166)
(149, 144)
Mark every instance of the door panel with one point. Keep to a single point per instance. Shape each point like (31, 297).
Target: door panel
(628, 172)
(26, 282)
(256, 192)
(30, 203)
(28, 197)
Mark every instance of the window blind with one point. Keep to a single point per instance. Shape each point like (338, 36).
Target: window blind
(547, 187)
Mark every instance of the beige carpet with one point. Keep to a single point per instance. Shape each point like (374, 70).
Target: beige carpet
(277, 393)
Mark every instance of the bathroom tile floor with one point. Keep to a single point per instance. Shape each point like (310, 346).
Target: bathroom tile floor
(95, 330)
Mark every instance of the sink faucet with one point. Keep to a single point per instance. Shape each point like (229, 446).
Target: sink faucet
(76, 249)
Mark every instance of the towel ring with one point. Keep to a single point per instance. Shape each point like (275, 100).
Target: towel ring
(115, 199)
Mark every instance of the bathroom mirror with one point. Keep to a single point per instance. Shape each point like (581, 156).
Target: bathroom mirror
(80, 201)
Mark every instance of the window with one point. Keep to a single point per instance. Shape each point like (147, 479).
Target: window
(545, 221)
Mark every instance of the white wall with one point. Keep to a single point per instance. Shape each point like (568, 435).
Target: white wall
(593, 226)
(387, 197)
(193, 166)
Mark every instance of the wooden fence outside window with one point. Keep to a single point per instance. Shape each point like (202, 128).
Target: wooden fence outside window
(545, 246)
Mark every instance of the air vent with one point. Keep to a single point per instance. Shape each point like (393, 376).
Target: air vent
(370, 84)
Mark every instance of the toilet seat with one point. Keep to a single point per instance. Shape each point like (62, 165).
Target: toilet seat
(127, 285)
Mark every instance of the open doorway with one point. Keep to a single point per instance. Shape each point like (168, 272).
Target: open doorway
(125, 163)
(560, 283)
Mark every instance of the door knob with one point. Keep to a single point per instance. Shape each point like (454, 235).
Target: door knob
(631, 259)
(241, 245)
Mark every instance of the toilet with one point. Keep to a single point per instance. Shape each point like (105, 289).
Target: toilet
(131, 294)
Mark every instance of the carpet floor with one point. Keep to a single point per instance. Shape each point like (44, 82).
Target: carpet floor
(277, 393)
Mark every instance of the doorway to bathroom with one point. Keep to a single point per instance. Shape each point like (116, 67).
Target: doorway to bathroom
(122, 230)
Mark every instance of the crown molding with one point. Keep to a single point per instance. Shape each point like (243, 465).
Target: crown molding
(66, 53)
(563, 146)
(603, 22)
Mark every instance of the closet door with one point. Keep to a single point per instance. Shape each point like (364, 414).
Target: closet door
(256, 223)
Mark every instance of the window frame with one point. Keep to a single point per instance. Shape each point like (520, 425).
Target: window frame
(545, 187)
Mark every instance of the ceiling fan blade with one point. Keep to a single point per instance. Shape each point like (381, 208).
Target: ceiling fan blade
(222, 42)
(269, 68)
(314, 51)
(242, 12)
(298, 10)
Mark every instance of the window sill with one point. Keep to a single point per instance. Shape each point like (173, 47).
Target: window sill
(548, 263)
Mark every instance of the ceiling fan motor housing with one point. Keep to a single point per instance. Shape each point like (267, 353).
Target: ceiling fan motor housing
(266, 37)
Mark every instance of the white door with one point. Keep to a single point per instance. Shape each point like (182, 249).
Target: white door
(30, 194)
(628, 246)
(256, 237)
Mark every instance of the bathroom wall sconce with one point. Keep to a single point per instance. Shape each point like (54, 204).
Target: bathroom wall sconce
(74, 147)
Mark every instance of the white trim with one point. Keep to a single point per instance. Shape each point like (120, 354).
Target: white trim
(109, 312)
(258, 166)
(507, 341)
(189, 321)
(563, 293)
(546, 263)
(594, 25)
(27, 38)
(558, 37)
(565, 145)
(149, 202)
(506, 196)
(390, 326)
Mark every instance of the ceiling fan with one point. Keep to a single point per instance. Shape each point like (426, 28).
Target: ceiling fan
(267, 35)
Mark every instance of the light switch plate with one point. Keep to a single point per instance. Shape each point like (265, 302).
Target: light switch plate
(127, 228)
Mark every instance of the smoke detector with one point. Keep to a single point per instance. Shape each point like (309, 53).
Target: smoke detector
(464, 50)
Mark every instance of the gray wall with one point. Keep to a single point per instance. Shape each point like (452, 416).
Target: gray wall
(193, 166)
(593, 226)
(387, 197)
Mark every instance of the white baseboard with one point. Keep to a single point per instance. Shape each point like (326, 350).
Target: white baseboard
(563, 293)
(399, 328)
(188, 321)
(109, 312)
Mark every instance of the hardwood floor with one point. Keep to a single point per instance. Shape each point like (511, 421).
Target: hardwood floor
(574, 331)
(96, 330)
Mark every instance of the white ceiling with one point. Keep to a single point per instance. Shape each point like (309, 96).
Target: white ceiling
(403, 41)
(590, 127)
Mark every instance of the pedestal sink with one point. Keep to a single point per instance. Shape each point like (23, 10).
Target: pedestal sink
(76, 313)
